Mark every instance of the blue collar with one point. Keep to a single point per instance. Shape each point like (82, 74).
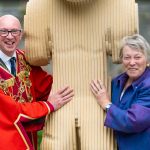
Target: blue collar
(123, 78)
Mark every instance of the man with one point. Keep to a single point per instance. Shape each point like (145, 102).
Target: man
(22, 82)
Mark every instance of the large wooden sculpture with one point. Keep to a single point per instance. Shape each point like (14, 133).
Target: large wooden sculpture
(77, 35)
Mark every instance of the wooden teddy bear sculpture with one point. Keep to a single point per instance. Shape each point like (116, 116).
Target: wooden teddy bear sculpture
(77, 36)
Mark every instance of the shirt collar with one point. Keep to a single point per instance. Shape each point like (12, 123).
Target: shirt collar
(142, 77)
(123, 78)
(4, 57)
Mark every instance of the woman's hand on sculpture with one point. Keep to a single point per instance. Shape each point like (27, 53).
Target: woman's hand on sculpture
(100, 92)
(61, 97)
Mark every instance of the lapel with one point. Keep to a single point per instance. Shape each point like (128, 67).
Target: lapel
(19, 87)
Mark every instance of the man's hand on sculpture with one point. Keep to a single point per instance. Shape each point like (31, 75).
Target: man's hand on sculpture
(61, 97)
(100, 92)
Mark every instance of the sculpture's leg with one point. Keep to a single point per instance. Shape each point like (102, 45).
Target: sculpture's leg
(65, 126)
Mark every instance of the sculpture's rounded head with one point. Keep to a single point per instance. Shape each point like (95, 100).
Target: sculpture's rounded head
(78, 1)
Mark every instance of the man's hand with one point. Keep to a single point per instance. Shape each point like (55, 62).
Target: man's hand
(100, 92)
(61, 97)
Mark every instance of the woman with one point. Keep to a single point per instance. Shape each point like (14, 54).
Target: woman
(129, 113)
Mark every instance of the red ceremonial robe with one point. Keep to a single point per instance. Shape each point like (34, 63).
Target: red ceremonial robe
(12, 116)
(30, 84)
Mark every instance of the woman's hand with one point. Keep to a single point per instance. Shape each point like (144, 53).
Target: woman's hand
(61, 97)
(100, 92)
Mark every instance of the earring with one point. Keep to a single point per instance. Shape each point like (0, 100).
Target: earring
(148, 65)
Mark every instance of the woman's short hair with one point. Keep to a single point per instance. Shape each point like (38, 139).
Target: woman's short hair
(136, 42)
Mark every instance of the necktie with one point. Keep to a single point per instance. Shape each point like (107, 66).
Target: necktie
(13, 65)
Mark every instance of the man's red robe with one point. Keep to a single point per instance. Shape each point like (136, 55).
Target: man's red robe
(30, 84)
(12, 116)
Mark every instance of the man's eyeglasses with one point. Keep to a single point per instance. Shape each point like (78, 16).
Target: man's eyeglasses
(13, 32)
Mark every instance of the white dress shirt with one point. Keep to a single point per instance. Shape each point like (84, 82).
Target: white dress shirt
(6, 59)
